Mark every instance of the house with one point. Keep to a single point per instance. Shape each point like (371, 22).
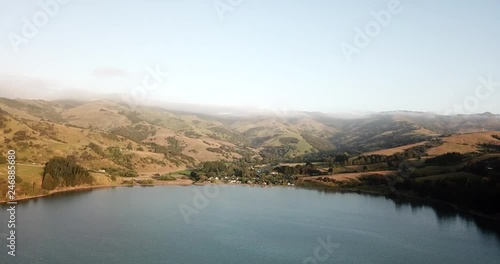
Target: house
(102, 171)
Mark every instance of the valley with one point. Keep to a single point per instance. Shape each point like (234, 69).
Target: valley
(386, 153)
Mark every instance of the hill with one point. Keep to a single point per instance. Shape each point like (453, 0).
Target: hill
(109, 134)
(112, 144)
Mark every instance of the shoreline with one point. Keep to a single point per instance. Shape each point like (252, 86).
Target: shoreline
(55, 192)
(165, 183)
(408, 197)
(455, 207)
(429, 201)
(91, 187)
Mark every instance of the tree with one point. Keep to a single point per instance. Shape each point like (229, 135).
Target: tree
(341, 158)
(194, 175)
(48, 183)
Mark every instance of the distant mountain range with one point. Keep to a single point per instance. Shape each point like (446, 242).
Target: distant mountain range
(108, 133)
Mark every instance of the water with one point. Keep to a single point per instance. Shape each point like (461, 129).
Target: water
(241, 224)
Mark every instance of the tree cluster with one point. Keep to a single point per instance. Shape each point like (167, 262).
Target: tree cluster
(305, 170)
(449, 158)
(62, 172)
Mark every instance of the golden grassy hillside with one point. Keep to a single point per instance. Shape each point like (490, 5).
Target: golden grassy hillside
(464, 143)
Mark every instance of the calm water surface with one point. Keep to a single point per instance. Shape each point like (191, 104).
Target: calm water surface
(241, 225)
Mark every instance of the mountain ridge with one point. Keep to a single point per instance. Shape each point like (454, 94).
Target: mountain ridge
(156, 139)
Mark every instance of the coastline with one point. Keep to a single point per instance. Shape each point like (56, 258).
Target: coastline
(388, 193)
(91, 187)
(407, 197)
(456, 207)
(58, 191)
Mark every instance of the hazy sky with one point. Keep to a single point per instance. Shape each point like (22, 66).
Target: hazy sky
(428, 55)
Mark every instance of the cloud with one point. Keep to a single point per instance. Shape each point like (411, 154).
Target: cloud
(19, 86)
(109, 72)
(13, 86)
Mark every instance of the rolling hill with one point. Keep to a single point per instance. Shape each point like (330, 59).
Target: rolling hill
(108, 134)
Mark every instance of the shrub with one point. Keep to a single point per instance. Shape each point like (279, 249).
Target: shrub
(121, 172)
(373, 179)
(136, 133)
(145, 182)
(97, 149)
(288, 140)
(21, 135)
(166, 177)
(116, 155)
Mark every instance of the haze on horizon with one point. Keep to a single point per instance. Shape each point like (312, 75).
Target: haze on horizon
(302, 55)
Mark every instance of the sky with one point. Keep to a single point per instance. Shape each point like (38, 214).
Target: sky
(315, 55)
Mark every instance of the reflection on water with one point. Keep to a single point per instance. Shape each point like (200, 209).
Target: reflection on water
(445, 214)
(244, 224)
